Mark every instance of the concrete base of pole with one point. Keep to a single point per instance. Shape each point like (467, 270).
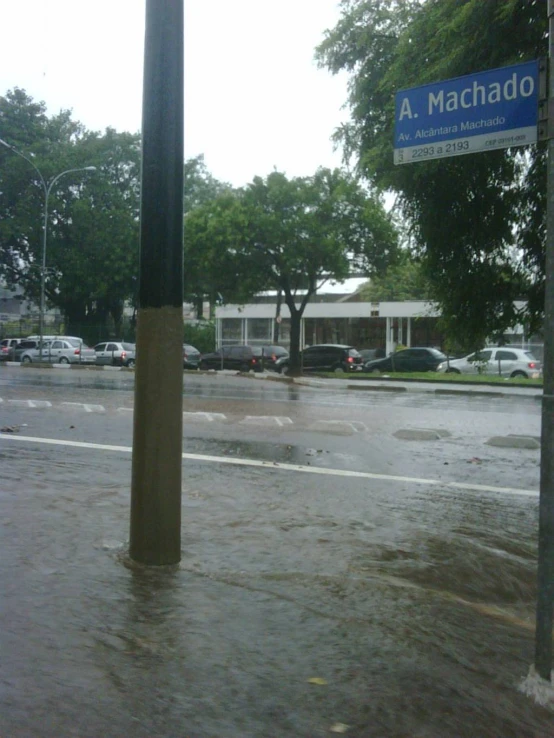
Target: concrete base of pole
(155, 537)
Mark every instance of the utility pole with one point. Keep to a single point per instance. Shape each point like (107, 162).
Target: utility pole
(545, 598)
(155, 535)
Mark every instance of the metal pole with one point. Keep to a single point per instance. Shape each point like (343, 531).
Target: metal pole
(47, 189)
(155, 531)
(545, 576)
(43, 272)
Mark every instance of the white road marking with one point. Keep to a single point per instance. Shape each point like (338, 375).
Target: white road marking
(203, 416)
(355, 426)
(125, 409)
(30, 403)
(275, 466)
(86, 407)
(266, 419)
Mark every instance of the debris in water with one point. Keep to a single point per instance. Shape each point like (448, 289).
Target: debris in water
(339, 728)
(538, 689)
(9, 429)
(318, 680)
(475, 460)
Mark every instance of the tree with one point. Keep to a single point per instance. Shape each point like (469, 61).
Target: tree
(401, 281)
(92, 250)
(477, 221)
(292, 236)
(201, 277)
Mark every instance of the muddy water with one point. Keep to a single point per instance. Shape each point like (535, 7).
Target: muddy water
(412, 605)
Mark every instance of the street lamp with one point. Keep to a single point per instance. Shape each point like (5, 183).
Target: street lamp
(47, 188)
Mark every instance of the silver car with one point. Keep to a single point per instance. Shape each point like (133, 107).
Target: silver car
(114, 353)
(502, 360)
(62, 351)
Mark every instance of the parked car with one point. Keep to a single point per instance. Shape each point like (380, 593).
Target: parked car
(241, 358)
(114, 353)
(271, 354)
(369, 354)
(7, 348)
(24, 345)
(416, 359)
(325, 357)
(191, 357)
(62, 351)
(502, 360)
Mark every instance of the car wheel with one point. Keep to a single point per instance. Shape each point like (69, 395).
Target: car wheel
(202, 367)
(131, 363)
(452, 371)
(26, 360)
(244, 368)
(284, 370)
(518, 374)
(338, 369)
(375, 371)
(64, 360)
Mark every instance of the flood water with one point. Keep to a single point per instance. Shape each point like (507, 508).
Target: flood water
(412, 607)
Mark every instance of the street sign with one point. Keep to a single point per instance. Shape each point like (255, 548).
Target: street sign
(495, 109)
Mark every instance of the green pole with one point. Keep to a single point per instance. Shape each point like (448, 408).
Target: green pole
(155, 535)
(545, 596)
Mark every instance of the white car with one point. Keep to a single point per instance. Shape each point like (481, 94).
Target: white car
(502, 360)
(60, 350)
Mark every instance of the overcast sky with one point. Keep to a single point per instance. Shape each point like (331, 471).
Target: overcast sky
(254, 98)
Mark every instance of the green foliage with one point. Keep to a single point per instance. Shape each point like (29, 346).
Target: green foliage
(290, 236)
(201, 335)
(92, 247)
(478, 220)
(402, 281)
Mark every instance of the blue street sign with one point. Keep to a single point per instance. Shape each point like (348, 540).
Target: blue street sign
(479, 112)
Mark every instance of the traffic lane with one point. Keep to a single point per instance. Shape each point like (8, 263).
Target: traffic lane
(426, 598)
(315, 441)
(524, 413)
(219, 387)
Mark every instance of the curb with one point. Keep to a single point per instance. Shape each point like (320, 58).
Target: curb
(65, 367)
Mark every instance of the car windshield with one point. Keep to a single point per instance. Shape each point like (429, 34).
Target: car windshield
(353, 352)
(190, 349)
(128, 346)
(530, 355)
(74, 342)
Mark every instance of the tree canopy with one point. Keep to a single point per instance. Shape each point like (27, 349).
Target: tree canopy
(92, 246)
(478, 220)
(403, 280)
(290, 235)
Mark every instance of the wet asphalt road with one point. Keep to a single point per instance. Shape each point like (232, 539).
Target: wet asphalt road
(409, 589)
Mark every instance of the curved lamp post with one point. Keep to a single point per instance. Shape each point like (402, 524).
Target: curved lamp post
(47, 188)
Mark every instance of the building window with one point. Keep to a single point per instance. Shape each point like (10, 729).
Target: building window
(259, 330)
(231, 330)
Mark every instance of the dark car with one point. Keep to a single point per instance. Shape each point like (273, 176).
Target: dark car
(408, 360)
(369, 354)
(241, 358)
(271, 355)
(326, 357)
(191, 356)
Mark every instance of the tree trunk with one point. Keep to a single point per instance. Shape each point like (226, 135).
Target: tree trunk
(278, 315)
(199, 306)
(295, 321)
